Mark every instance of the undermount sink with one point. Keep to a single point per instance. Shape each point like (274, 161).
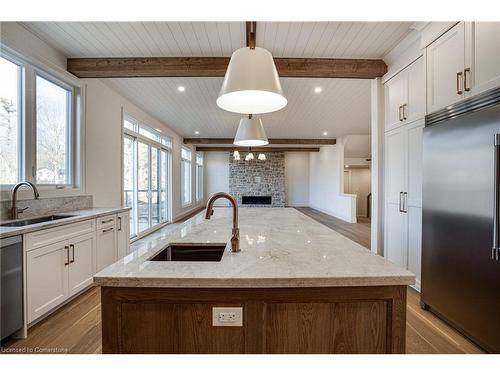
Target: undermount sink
(22, 223)
(190, 253)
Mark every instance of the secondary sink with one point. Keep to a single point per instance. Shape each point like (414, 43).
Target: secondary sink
(22, 223)
(190, 253)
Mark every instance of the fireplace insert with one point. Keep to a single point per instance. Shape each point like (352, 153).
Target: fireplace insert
(252, 199)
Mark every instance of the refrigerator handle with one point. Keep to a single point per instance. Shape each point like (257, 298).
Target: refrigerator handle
(496, 200)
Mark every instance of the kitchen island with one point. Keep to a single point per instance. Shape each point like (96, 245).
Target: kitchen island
(301, 288)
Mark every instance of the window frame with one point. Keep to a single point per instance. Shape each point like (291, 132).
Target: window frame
(166, 146)
(30, 69)
(189, 170)
(21, 117)
(70, 137)
(200, 170)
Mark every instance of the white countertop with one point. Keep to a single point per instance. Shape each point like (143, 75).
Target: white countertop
(79, 215)
(280, 247)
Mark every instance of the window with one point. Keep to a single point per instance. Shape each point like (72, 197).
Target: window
(186, 176)
(53, 133)
(10, 122)
(39, 138)
(199, 177)
(146, 176)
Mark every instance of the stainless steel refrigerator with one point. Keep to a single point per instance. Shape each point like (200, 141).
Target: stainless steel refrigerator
(460, 223)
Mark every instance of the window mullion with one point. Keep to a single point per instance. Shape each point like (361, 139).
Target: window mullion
(30, 125)
(150, 194)
(136, 186)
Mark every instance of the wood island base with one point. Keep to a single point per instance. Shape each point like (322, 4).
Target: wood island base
(275, 320)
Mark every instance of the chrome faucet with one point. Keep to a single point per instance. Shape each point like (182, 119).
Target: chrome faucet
(235, 239)
(15, 211)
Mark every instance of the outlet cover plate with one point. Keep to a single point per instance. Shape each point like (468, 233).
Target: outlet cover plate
(227, 316)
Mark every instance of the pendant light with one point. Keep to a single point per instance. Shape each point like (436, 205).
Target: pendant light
(262, 157)
(250, 132)
(251, 83)
(236, 155)
(249, 157)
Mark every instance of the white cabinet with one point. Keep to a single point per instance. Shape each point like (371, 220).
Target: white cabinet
(82, 263)
(122, 234)
(395, 97)
(464, 61)
(405, 96)
(63, 260)
(395, 235)
(106, 247)
(56, 272)
(482, 56)
(445, 68)
(403, 196)
(47, 278)
(415, 109)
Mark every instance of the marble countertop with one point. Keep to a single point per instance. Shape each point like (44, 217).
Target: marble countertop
(280, 247)
(79, 215)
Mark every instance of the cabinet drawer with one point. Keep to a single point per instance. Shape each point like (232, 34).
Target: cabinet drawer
(106, 221)
(49, 236)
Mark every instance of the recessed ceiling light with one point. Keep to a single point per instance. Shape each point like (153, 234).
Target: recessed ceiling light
(181, 88)
(196, 132)
(317, 90)
(325, 133)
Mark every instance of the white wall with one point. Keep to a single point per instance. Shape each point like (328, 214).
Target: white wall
(297, 179)
(216, 175)
(103, 148)
(377, 186)
(360, 185)
(326, 183)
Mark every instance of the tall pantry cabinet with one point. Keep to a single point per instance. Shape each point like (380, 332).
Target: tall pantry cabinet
(404, 123)
(462, 62)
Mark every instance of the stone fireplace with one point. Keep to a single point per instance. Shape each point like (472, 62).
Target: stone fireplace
(256, 182)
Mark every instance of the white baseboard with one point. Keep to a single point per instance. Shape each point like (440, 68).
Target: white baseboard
(416, 286)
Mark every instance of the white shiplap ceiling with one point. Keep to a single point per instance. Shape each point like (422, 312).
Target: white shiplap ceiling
(342, 108)
(282, 39)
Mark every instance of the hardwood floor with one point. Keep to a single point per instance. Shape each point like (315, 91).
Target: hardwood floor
(76, 327)
(359, 232)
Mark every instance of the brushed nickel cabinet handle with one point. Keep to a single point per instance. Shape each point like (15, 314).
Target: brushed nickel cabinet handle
(466, 73)
(67, 255)
(106, 221)
(400, 201)
(404, 111)
(119, 223)
(107, 230)
(72, 247)
(459, 79)
(399, 113)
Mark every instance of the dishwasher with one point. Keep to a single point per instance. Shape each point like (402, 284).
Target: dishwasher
(11, 285)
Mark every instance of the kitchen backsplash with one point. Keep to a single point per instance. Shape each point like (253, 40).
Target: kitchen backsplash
(258, 177)
(45, 206)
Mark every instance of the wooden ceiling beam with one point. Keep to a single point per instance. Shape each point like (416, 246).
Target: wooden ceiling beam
(126, 67)
(272, 141)
(257, 149)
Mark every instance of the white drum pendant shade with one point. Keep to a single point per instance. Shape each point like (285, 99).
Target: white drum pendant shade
(251, 83)
(250, 133)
